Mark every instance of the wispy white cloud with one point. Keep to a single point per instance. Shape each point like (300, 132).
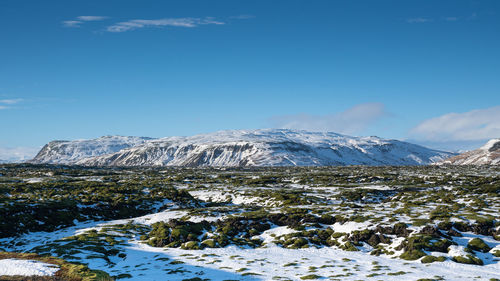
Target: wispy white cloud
(5, 103)
(91, 18)
(242, 17)
(72, 23)
(11, 101)
(479, 124)
(419, 20)
(443, 18)
(351, 121)
(81, 19)
(176, 22)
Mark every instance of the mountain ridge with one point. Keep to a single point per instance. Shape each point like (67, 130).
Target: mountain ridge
(264, 147)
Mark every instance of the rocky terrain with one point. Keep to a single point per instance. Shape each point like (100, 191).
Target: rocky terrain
(271, 147)
(283, 223)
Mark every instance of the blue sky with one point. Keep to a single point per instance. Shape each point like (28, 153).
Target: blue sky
(423, 71)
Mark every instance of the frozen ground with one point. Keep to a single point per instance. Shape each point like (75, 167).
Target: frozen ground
(270, 262)
(351, 211)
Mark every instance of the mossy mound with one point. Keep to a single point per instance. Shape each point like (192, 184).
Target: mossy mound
(430, 259)
(477, 244)
(469, 259)
(412, 255)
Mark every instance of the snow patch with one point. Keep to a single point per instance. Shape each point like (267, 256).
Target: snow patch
(11, 267)
(351, 226)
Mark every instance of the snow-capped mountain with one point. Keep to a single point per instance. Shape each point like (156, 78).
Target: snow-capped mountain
(488, 154)
(268, 147)
(69, 152)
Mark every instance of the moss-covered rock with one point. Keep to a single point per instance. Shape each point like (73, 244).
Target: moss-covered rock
(210, 243)
(191, 245)
(348, 246)
(469, 259)
(477, 244)
(413, 254)
(430, 259)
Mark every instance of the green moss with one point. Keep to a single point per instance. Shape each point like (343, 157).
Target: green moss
(469, 259)
(420, 222)
(191, 245)
(430, 259)
(477, 244)
(250, 274)
(310, 277)
(441, 245)
(338, 234)
(123, 275)
(412, 255)
(210, 243)
(348, 246)
(396, 273)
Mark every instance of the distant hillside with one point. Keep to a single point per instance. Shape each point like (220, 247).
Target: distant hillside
(70, 152)
(488, 154)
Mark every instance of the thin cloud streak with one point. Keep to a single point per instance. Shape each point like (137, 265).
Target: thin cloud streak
(5, 103)
(72, 23)
(11, 101)
(418, 20)
(443, 18)
(175, 22)
(81, 19)
(242, 17)
(91, 18)
(353, 120)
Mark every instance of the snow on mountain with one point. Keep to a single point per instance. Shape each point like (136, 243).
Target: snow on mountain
(268, 147)
(69, 152)
(488, 154)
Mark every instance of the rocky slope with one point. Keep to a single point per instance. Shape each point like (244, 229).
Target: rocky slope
(270, 147)
(488, 154)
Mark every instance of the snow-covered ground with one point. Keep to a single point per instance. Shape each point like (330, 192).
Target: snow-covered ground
(270, 262)
(351, 226)
(12, 267)
(279, 215)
